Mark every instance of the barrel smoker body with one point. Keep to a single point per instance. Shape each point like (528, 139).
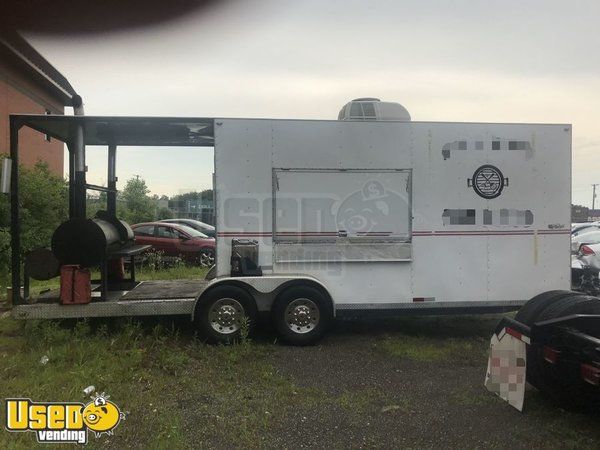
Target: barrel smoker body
(88, 242)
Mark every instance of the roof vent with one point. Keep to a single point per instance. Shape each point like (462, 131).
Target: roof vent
(369, 108)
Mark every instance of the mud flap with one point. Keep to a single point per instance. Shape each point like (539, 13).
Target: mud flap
(507, 366)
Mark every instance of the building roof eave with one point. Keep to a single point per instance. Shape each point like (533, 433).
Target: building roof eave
(29, 59)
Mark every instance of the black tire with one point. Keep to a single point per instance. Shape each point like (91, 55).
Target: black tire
(532, 314)
(566, 389)
(571, 304)
(238, 308)
(528, 315)
(530, 310)
(314, 322)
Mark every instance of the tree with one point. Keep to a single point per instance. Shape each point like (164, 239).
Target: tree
(43, 199)
(164, 213)
(135, 205)
(205, 195)
(95, 201)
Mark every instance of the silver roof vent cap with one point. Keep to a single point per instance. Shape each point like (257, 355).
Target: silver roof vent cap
(370, 108)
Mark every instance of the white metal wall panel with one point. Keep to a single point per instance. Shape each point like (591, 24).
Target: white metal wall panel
(359, 283)
(500, 256)
(465, 247)
(450, 268)
(542, 184)
(348, 145)
(243, 187)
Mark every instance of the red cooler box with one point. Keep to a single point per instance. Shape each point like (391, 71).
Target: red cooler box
(75, 285)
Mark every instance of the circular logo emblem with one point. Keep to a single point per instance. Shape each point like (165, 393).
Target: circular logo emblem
(488, 181)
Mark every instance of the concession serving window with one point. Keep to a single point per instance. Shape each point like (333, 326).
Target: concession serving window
(342, 214)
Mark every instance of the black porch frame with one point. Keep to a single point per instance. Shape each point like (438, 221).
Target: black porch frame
(77, 132)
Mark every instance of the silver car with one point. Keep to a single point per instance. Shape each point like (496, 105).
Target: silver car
(585, 267)
(205, 228)
(580, 228)
(591, 237)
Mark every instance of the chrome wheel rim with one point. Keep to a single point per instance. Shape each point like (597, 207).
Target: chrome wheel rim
(302, 315)
(207, 260)
(225, 315)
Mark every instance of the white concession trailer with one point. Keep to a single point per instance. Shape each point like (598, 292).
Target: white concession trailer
(391, 215)
(370, 213)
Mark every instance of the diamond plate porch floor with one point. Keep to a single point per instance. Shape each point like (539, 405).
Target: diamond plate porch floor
(165, 289)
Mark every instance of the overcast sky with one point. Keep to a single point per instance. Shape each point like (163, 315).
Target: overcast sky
(496, 61)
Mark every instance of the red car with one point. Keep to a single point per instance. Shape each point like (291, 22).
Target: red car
(176, 240)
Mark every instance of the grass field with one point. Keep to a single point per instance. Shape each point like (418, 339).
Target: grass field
(140, 366)
(409, 382)
(142, 274)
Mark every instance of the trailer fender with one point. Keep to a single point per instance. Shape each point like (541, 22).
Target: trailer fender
(264, 289)
(507, 365)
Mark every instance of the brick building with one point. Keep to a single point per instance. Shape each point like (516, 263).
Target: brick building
(29, 84)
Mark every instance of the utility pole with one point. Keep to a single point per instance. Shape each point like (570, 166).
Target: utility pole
(594, 200)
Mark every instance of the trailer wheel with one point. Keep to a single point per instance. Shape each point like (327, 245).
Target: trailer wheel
(567, 389)
(301, 315)
(227, 314)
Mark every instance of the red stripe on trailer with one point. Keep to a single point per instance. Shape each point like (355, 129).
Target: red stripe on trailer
(293, 233)
(488, 232)
(386, 233)
(439, 233)
(374, 233)
(479, 233)
(244, 233)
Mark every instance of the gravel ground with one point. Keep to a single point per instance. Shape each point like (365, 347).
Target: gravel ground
(399, 402)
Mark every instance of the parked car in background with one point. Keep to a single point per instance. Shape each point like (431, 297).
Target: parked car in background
(205, 228)
(586, 227)
(591, 237)
(585, 267)
(177, 240)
